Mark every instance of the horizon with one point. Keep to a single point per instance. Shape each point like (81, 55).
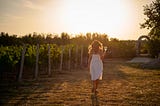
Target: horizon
(118, 19)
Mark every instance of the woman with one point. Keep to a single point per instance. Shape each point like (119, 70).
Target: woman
(95, 64)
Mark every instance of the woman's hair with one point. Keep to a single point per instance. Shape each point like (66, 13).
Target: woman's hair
(95, 47)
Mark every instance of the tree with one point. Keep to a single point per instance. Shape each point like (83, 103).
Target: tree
(65, 38)
(152, 22)
(152, 11)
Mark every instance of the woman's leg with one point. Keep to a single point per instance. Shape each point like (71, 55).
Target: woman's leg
(94, 86)
(97, 81)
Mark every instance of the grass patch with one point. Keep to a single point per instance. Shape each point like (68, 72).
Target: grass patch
(122, 84)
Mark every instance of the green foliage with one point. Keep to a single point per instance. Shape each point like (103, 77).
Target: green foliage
(154, 47)
(30, 56)
(7, 40)
(63, 39)
(54, 54)
(9, 57)
(152, 22)
(122, 49)
(152, 12)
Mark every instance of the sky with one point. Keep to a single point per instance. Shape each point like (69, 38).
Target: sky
(117, 18)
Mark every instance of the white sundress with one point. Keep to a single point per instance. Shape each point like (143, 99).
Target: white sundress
(96, 67)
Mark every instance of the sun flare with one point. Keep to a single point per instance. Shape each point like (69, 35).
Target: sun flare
(103, 16)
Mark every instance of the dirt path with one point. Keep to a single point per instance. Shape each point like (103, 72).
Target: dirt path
(122, 85)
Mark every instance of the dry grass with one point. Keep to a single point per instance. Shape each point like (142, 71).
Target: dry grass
(122, 85)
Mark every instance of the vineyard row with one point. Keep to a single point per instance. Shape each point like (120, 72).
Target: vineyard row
(47, 57)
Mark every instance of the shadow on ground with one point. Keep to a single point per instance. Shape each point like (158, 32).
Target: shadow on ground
(122, 84)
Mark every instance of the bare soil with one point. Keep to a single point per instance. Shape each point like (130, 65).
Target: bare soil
(122, 85)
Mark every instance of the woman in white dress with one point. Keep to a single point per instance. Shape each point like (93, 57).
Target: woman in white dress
(95, 63)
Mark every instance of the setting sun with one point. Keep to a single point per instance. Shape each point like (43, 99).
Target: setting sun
(104, 16)
(97, 16)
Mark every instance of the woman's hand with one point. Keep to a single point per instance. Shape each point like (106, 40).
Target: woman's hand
(102, 54)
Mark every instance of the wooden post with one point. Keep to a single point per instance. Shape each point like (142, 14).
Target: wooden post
(61, 61)
(158, 56)
(81, 56)
(49, 61)
(22, 63)
(37, 59)
(76, 63)
(69, 63)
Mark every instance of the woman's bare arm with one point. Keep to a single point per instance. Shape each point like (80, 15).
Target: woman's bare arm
(89, 60)
(102, 54)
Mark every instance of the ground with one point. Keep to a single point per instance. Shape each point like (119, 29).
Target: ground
(123, 84)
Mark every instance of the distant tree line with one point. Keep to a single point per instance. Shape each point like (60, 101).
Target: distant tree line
(63, 39)
(116, 48)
